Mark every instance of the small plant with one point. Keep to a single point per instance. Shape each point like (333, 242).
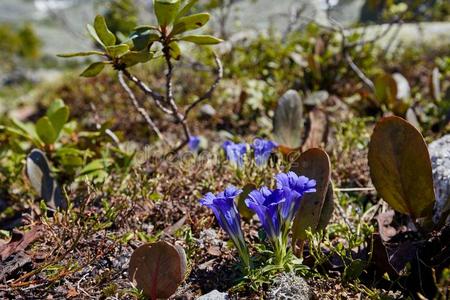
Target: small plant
(275, 209)
(400, 169)
(151, 42)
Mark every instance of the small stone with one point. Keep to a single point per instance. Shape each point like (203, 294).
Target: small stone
(440, 162)
(214, 295)
(289, 286)
(207, 111)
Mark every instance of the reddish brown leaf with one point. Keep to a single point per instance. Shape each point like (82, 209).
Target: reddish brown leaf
(157, 269)
(19, 242)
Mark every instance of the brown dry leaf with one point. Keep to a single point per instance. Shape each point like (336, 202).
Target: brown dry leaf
(317, 129)
(72, 292)
(19, 242)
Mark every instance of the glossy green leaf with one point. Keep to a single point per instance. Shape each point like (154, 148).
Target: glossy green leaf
(314, 164)
(191, 22)
(133, 57)
(245, 212)
(166, 11)
(75, 54)
(117, 50)
(142, 38)
(400, 167)
(288, 120)
(175, 51)
(201, 39)
(94, 69)
(103, 33)
(45, 131)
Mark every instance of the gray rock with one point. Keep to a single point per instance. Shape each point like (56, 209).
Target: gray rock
(440, 161)
(214, 295)
(289, 286)
(207, 111)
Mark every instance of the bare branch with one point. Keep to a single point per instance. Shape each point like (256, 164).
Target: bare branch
(208, 94)
(148, 91)
(140, 109)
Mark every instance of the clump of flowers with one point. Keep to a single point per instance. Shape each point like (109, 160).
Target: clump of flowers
(224, 208)
(235, 152)
(275, 208)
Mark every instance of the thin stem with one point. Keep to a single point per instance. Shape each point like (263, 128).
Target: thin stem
(208, 94)
(140, 109)
(171, 101)
(159, 99)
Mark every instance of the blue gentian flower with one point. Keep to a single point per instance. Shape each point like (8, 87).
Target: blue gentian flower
(235, 152)
(263, 149)
(265, 203)
(293, 187)
(224, 208)
(194, 143)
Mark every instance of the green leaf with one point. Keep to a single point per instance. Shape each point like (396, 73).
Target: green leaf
(45, 131)
(87, 53)
(59, 119)
(54, 106)
(186, 9)
(94, 35)
(175, 51)
(96, 165)
(191, 22)
(166, 11)
(103, 33)
(314, 164)
(386, 90)
(288, 120)
(143, 37)
(117, 50)
(133, 57)
(400, 167)
(94, 69)
(201, 39)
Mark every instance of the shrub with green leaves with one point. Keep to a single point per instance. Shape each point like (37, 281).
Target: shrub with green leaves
(150, 42)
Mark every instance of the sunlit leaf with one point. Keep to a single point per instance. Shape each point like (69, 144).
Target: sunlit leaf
(288, 120)
(191, 22)
(400, 167)
(117, 50)
(94, 69)
(166, 11)
(133, 57)
(45, 131)
(103, 33)
(201, 39)
(175, 51)
(75, 54)
(157, 269)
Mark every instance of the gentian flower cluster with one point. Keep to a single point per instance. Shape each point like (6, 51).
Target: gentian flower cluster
(275, 209)
(224, 208)
(261, 148)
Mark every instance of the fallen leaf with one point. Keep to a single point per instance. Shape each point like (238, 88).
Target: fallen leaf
(19, 242)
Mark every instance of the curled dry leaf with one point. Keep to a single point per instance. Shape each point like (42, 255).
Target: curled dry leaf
(158, 269)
